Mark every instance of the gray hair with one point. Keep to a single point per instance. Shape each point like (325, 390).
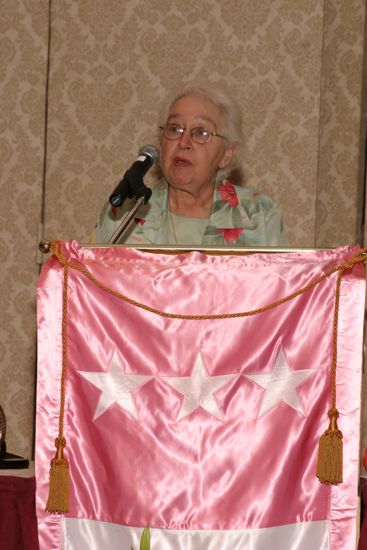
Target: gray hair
(231, 124)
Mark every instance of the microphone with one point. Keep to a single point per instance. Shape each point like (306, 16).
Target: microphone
(132, 183)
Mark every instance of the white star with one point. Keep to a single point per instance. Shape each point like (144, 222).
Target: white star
(116, 387)
(281, 384)
(198, 389)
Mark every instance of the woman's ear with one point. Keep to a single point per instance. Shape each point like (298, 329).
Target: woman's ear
(228, 155)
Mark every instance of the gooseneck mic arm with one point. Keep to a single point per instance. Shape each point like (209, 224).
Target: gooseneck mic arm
(131, 186)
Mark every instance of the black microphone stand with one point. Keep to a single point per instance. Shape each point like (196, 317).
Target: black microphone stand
(131, 188)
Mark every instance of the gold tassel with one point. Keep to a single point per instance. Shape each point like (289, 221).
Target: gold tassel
(330, 458)
(59, 487)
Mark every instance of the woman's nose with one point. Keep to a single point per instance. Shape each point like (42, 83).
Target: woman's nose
(186, 139)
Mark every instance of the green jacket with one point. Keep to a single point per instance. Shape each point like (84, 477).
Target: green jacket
(240, 217)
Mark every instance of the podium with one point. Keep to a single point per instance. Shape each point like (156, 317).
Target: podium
(189, 391)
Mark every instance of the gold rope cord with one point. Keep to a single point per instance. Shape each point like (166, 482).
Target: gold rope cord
(64, 347)
(59, 487)
(329, 467)
(335, 339)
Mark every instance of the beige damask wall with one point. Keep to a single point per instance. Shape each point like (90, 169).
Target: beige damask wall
(295, 67)
(23, 48)
(342, 137)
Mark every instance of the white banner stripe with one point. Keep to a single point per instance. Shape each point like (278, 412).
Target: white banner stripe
(82, 534)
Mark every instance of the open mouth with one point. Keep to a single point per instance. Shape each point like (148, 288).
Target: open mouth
(180, 161)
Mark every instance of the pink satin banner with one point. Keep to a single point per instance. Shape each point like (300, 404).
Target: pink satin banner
(199, 424)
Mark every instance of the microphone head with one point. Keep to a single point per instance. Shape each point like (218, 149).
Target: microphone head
(150, 151)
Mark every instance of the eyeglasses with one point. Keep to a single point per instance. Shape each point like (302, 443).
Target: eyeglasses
(198, 135)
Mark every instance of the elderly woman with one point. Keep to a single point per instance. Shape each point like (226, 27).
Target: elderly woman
(194, 204)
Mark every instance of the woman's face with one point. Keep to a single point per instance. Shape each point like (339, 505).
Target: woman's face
(188, 165)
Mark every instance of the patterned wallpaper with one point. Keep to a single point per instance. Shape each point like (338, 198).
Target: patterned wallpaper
(23, 41)
(295, 67)
(340, 124)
